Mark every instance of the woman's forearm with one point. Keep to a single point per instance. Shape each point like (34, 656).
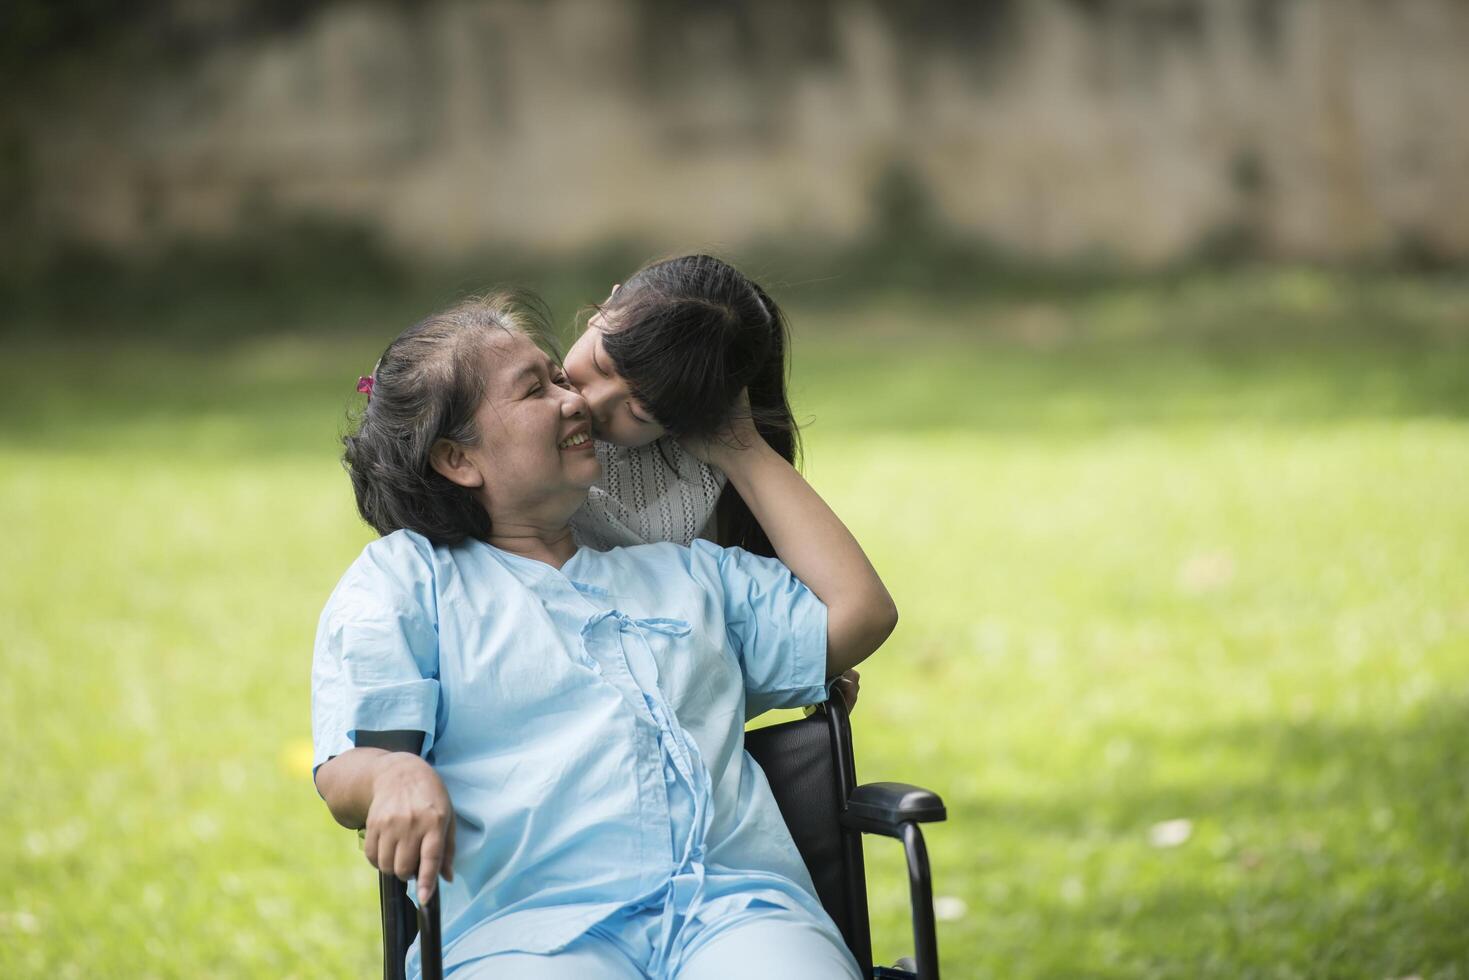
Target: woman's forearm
(815, 545)
(346, 781)
(404, 806)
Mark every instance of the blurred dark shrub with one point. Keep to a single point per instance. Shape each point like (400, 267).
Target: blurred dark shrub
(271, 276)
(312, 273)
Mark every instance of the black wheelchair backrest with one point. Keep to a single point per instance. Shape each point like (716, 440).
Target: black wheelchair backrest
(808, 764)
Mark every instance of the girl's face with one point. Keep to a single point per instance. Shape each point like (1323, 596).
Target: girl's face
(616, 415)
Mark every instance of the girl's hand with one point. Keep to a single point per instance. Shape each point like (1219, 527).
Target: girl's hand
(847, 686)
(737, 435)
(410, 824)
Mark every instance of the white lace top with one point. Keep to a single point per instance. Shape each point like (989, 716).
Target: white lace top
(642, 499)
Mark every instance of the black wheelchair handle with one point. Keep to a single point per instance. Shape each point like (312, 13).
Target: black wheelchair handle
(430, 940)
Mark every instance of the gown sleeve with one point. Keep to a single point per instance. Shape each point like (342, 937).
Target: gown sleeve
(376, 661)
(775, 625)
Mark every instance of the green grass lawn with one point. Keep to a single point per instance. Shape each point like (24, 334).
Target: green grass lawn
(1175, 552)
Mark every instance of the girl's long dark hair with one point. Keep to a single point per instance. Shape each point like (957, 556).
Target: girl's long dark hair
(687, 334)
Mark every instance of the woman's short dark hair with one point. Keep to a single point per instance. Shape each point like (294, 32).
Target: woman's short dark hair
(687, 334)
(428, 386)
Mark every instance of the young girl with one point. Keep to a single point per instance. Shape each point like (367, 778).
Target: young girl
(667, 357)
(675, 353)
(578, 715)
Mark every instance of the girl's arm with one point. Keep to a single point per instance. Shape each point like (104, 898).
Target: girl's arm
(403, 804)
(811, 541)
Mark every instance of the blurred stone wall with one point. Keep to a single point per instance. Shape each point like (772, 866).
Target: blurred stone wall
(1136, 128)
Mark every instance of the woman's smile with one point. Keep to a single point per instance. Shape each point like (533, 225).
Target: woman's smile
(579, 441)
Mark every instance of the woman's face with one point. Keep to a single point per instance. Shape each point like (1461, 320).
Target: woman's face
(534, 457)
(616, 415)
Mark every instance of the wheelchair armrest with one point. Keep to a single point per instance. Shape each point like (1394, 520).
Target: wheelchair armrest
(883, 808)
(896, 810)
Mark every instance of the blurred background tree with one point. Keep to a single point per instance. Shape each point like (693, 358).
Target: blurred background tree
(258, 148)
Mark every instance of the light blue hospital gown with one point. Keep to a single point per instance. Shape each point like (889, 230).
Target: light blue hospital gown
(588, 723)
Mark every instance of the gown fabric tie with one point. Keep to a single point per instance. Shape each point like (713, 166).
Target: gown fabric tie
(629, 648)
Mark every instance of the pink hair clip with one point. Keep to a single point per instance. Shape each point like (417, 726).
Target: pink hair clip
(364, 385)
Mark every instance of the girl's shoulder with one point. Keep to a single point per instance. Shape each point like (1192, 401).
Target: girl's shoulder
(666, 452)
(652, 493)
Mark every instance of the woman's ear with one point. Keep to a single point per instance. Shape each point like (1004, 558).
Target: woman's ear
(451, 462)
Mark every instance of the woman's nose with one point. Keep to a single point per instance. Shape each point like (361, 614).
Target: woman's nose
(594, 399)
(574, 404)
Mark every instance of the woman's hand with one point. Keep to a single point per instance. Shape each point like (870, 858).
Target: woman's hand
(410, 823)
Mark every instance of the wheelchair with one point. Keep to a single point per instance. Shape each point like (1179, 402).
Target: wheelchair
(811, 771)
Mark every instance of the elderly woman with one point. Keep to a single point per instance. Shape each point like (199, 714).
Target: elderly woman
(581, 781)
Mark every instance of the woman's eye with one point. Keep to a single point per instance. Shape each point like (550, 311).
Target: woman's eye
(535, 390)
(562, 380)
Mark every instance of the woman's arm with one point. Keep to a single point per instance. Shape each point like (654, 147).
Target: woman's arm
(403, 804)
(811, 541)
